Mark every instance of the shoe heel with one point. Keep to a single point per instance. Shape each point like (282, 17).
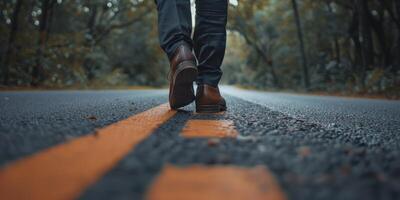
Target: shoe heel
(182, 90)
(209, 108)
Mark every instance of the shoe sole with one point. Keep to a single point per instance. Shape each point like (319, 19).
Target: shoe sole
(210, 108)
(182, 89)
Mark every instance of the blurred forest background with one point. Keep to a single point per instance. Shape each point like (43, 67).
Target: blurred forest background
(350, 46)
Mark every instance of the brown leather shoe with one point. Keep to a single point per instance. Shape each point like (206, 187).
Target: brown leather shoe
(182, 75)
(209, 100)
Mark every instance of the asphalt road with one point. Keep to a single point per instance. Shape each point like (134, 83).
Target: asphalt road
(316, 147)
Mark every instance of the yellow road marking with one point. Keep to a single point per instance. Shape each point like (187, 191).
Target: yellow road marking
(66, 170)
(209, 128)
(215, 183)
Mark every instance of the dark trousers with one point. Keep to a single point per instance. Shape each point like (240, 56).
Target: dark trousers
(209, 38)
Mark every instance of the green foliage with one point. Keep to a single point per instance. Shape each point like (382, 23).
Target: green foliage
(332, 29)
(82, 43)
(348, 45)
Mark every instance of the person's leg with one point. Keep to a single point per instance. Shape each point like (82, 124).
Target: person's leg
(209, 46)
(174, 24)
(210, 39)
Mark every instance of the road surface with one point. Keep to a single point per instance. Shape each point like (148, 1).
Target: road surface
(292, 146)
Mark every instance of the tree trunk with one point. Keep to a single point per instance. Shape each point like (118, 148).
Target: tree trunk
(337, 49)
(335, 38)
(37, 72)
(90, 41)
(397, 49)
(355, 35)
(11, 40)
(272, 67)
(377, 25)
(302, 49)
(50, 20)
(264, 57)
(367, 48)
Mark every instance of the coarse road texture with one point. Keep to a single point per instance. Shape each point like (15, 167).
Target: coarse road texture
(266, 146)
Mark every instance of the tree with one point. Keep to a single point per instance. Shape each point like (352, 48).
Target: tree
(306, 79)
(240, 18)
(11, 40)
(38, 69)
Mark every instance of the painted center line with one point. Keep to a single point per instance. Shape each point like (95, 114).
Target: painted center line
(209, 128)
(214, 183)
(66, 170)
